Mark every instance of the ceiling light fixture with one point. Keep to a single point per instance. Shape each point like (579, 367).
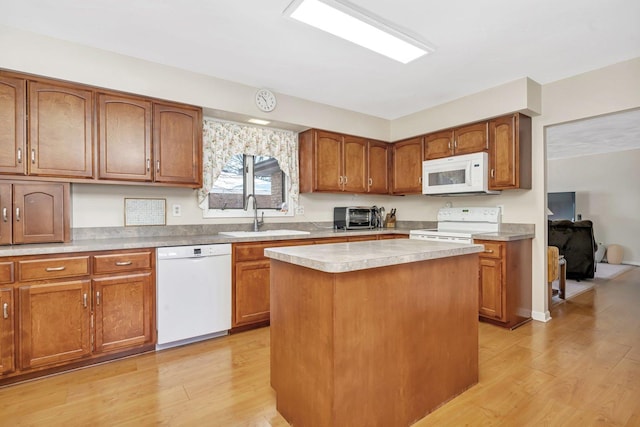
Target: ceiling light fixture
(358, 26)
(259, 122)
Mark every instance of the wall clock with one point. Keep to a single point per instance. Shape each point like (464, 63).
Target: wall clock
(265, 100)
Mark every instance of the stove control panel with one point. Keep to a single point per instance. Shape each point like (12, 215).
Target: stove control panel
(478, 214)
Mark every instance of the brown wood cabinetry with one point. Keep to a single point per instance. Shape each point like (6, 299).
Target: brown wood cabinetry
(60, 130)
(406, 168)
(177, 144)
(505, 282)
(124, 138)
(7, 353)
(75, 309)
(467, 139)
(13, 135)
(378, 167)
(34, 212)
(510, 152)
(137, 139)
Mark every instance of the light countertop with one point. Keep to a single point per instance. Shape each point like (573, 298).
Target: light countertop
(344, 257)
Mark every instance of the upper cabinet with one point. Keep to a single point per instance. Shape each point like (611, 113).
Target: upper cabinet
(124, 138)
(332, 162)
(406, 167)
(467, 139)
(177, 144)
(13, 135)
(83, 134)
(510, 152)
(60, 130)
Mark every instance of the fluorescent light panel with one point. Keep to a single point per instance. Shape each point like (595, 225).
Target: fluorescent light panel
(259, 122)
(345, 21)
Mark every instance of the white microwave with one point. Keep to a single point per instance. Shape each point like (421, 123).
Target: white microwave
(457, 175)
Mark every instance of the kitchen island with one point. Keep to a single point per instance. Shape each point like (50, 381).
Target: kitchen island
(376, 333)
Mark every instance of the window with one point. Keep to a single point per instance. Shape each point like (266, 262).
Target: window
(244, 175)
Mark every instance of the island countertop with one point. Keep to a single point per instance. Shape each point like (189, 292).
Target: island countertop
(352, 256)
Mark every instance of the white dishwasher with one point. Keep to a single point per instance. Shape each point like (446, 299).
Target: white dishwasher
(193, 293)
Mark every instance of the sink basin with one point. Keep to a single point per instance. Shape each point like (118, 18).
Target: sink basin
(262, 233)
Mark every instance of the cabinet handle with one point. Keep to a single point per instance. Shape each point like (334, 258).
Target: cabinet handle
(449, 145)
(97, 298)
(33, 156)
(493, 173)
(345, 179)
(84, 300)
(120, 263)
(5, 218)
(419, 180)
(455, 144)
(148, 165)
(54, 268)
(488, 251)
(19, 155)
(157, 165)
(340, 180)
(370, 182)
(5, 310)
(17, 214)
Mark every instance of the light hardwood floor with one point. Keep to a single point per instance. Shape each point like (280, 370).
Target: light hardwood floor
(580, 369)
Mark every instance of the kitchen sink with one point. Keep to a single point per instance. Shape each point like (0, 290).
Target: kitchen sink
(263, 233)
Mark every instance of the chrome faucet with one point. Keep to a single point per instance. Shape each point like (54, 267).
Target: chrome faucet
(256, 223)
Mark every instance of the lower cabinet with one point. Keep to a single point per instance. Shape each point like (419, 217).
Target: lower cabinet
(505, 282)
(75, 309)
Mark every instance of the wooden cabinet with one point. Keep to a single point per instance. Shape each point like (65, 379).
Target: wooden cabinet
(467, 139)
(332, 162)
(124, 138)
(510, 152)
(378, 167)
(406, 166)
(123, 289)
(505, 282)
(34, 212)
(60, 130)
(177, 144)
(75, 309)
(13, 134)
(7, 330)
(54, 322)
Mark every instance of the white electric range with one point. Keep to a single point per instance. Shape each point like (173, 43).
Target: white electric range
(460, 224)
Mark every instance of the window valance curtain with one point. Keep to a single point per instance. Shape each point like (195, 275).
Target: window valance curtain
(221, 140)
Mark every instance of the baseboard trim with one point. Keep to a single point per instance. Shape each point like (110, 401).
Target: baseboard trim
(541, 316)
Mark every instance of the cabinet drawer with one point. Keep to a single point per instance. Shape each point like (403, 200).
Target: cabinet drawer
(491, 249)
(6, 272)
(113, 263)
(53, 268)
(255, 251)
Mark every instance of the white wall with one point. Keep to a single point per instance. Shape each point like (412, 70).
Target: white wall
(607, 193)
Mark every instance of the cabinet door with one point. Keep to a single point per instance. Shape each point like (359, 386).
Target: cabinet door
(354, 155)
(510, 153)
(471, 139)
(438, 145)
(123, 307)
(177, 145)
(39, 213)
(6, 331)
(54, 322)
(12, 125)
(6, 213)
(328, 161)
(124, 138)
(407, 167)
(491, 290)
(251, 292)
(378, 176)
(60, 131)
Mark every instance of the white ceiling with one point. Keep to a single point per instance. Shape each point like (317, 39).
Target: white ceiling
(479, 44)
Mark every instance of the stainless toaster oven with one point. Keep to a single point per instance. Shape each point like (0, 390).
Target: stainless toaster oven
(354, 218)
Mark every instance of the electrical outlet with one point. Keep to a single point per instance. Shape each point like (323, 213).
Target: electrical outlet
(299, 210)
(177, 210)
